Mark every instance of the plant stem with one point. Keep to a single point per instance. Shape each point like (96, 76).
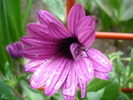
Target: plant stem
(17, 94)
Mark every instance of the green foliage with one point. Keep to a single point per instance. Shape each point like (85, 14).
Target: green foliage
(4, 88)
(111, 92)
(57, 8)
(97, 84)
(30, 94)
(113, 15)
(12, 26)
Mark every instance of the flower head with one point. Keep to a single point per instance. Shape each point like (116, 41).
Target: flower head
(14, 48)
(63, 59)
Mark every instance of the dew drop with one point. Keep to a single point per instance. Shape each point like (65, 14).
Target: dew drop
(99, 57)
(102, 60)
(89, 69)
(106, 63)
(77, 52)
(84, 72)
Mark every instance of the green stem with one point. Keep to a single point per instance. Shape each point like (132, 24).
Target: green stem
(17, 94)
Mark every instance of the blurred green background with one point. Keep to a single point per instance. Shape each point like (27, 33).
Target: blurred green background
(110, 15)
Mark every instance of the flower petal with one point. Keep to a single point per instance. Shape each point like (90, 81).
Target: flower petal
(86, 36)
(100, 61)
(45, 18)
(87, 21)
(29, 41)
(33, 65)
(70, 85)
(57, 78)
(41, 75)
(82, 85)
(44, 52)
(50, 75)
(76, 13)
(82, 64)
(58, 32)
(37, 30)
(84, 69)
(75, 50)
(101, 75)
(14, 48)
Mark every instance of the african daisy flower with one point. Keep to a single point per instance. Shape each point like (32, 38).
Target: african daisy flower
(14, 48)
(62, 59)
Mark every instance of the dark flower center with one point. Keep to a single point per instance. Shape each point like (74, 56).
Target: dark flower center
(64, 47)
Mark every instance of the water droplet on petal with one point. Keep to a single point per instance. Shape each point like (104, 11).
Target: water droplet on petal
(89, 69)
(106, 63)
(99, 57)
(102, 60)
(84, 72)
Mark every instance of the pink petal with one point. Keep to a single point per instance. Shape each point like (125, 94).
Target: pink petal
(33, 65)
(87, 21)
(50, 75)
(70, 85)
(58, 32)
(75, 50)
(68, 97)
(45, 18)
(58, 76)
(82, 64)
(29, 41)
(76, 13)
(101, 75)
(41, 75)
(100, 61)
(82, 85)
(44, 52)
(86, 36)
(37, 30)
(84, 69)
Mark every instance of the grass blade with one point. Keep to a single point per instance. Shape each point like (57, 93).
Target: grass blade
(27, 11)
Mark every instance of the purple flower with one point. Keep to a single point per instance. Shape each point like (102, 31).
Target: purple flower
(13, 49)
(63, 59)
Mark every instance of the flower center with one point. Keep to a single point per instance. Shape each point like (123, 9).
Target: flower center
(64, 47)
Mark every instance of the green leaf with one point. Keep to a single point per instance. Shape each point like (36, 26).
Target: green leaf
(4, 88)
(32, 94)
(4, 21)
(111, 92)
(126, 10)
(57, 7)
(124, 96)
(97, 84)
(12, 21)
(9, 73)
(114, 55)
(104, 5)
(9, 97)
(121, 69)
(10, 79)
(131, 63)
(95, 95)
(20, 78)
(27, 11)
